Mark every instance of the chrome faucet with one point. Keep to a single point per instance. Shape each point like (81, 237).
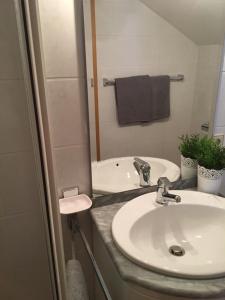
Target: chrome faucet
(143, 168)
(163, 195)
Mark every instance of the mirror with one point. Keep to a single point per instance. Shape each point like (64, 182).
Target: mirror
(181, 39)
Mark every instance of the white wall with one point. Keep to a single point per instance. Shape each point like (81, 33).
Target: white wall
(65, 88)
(132, 40)
(89, 69)
(220, 109)
(201, 20)
(219, 124)
(64, 75)
(206, 86)
(24, 259)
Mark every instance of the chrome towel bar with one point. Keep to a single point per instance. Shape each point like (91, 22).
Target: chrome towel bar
(110, 82)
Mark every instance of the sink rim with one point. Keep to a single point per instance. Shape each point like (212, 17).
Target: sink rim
(172, 173)
(121, 237)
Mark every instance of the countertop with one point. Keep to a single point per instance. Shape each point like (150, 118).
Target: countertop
(207, 288)
(131, 194)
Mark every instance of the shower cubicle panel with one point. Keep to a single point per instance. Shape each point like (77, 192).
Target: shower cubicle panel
(26, 260)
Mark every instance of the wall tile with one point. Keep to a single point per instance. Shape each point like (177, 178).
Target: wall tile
(107, 105)
(88, 37)
(223, 67)
(1, 207)
(119, 141)
(73, 168)
(24, 261)
(93, 142)
(14, 123)
(132, 40)
(222, 189)
(220, 112)
(210, 54)
(10, 60)
(124, 18)
(59, 38)
(113, 51)
(67, 112)
(62, 37)
(207, 77)
(92, 127)
(19, 188)
(220, 130)
(91, 103)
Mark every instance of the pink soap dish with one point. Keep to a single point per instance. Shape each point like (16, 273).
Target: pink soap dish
(74, 204)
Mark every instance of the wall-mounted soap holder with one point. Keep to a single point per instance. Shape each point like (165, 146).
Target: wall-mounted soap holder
(74, 204)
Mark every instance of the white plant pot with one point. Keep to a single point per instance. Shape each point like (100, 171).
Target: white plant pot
(189, 167)
(209, 181)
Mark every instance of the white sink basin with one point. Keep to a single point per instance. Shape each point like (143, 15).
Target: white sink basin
(144, 231)
(118, 174)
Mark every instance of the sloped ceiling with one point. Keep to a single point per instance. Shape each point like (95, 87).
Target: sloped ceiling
(203, 21)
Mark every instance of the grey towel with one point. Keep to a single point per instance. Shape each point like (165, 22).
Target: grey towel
(133, 96)
(142, 99)
(160, 102)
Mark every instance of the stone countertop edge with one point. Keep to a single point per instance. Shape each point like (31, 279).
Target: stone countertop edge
(131, 194)
(192, 288)
(122, 196)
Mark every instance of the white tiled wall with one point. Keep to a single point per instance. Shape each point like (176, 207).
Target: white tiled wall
(219, 124)
(206, 87)
(61, 32)
(132, 40)
(59, 38)
(65, 86)
(220, 109)
(24, 258)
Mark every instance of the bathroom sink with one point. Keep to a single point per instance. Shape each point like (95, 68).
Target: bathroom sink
(118, 174)
(184, 240)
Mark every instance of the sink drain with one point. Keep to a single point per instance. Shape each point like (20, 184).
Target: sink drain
(176, 250)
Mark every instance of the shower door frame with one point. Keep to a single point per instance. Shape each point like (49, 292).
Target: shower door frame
(42, 149)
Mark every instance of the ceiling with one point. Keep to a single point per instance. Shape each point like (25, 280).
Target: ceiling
(203, 21)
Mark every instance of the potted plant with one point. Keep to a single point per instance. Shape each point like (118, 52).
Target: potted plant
(211, 165)
(189, 148)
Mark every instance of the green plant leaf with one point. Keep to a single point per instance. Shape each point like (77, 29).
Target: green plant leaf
(206, 150)
(189, 146)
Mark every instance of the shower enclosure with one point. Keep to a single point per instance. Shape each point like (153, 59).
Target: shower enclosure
(30, 255)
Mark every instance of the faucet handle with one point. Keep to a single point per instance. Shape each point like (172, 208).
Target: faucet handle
(164, 183)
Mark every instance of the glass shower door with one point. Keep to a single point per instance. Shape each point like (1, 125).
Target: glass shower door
(26, 260)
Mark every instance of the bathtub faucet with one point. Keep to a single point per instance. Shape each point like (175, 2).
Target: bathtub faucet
(143, 168)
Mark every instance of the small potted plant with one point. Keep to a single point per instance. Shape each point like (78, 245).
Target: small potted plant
(189, 148)
(211, 165)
